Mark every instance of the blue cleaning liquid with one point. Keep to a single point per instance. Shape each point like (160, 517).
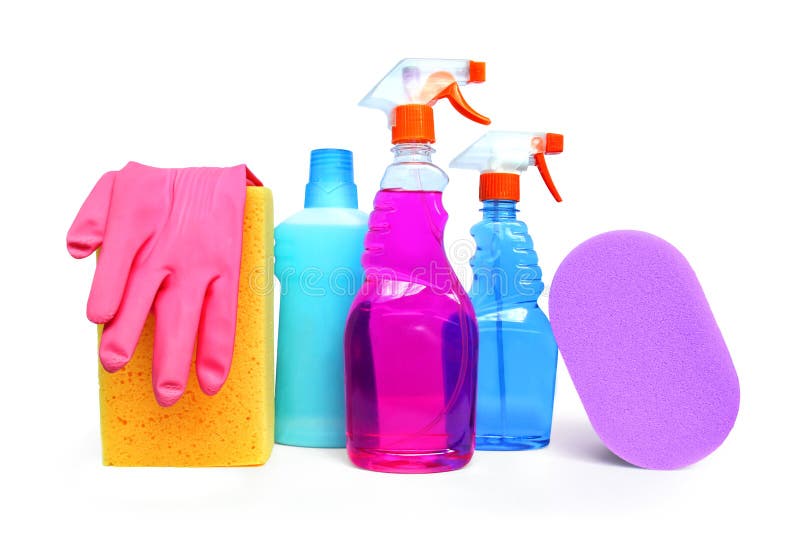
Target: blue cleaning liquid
(517, 350)
(318, 263)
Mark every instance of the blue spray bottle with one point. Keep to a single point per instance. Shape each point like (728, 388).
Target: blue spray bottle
(318, 263)
(518, 353)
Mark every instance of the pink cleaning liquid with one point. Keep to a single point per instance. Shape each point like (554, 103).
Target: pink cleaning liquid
(410, 345)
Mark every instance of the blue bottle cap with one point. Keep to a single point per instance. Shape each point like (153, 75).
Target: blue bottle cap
(330, 180)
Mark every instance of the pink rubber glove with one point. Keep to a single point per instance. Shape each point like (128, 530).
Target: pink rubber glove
(171, 242)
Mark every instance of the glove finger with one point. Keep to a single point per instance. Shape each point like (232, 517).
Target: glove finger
(121, 334)
(216, 335)
(114, 265)
(177, 311)
(140, 206)
(88, 228)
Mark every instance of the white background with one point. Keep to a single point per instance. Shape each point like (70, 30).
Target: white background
(681, 118)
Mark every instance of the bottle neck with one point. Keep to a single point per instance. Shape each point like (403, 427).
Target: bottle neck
(413, 170)
(499, 210)
(330, 180)
(412, 152)
(331, 195)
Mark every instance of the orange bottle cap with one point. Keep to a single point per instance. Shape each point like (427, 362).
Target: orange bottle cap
(413, 123)
(499, 186)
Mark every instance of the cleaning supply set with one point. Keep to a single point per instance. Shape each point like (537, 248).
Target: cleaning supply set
(385, 352)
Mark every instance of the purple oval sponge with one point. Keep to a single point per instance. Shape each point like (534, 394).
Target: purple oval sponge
(640, 342)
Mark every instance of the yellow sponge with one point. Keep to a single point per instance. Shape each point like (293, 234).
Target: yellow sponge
(235, 426)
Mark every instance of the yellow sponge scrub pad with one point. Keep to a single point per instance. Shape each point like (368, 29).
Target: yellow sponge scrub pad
(233, 427)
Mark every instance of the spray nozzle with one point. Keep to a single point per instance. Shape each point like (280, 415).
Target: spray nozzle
(502, 156)
(413, 86)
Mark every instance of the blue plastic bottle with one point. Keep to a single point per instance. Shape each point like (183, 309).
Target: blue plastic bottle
(318, 263)
(517, 350)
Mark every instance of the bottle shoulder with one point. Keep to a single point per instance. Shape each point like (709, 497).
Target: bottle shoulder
(512, 229)
(325, 217)
(505, 263)
(498, 239)
(321, 238)
(414, 176)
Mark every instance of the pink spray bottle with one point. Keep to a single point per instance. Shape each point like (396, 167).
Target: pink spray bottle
(411, 341)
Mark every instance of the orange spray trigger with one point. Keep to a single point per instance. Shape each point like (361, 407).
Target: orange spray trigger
(443, 85)
(538, 158)
(453, 94)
